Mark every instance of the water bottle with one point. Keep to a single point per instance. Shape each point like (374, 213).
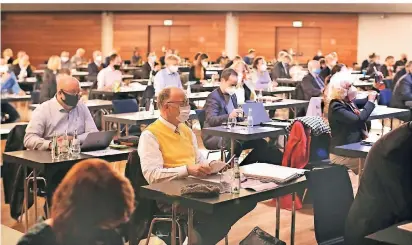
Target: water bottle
(75, 147)
(236, 177)
(189, 91)
(64, 148)
(54, 147)
(250, 119)
(151, 107)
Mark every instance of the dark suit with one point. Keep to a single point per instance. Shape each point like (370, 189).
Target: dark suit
(162, 61)
(16, 69)
(399, 63)
(279, 71)
(384, 196)
(370, 71)
(402, 91)
(146, 69)
(217, 114)
(49, 86)
(93, 69)
(365, 65)
(310, 87)
(325, 72)
(385, 71)
(397, 76)
(345, 124)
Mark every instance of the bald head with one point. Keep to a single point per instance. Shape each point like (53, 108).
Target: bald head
(68, 83)
(170, 94)
(313, 64)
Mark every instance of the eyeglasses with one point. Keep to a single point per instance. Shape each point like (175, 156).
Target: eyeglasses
(180, 103)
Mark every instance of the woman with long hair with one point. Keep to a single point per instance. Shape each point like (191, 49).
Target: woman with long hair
(198, 71)
(90, 203)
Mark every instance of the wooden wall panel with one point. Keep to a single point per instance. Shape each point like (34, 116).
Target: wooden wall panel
(339, 32)
(44, 34)
(206, 32)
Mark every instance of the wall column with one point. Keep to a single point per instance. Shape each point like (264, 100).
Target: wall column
(232, 35)
(107, 33)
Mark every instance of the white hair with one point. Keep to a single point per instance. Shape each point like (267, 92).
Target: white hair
(339, 81)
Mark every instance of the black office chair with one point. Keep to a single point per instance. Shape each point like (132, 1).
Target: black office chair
(126, 106)
(332, 196)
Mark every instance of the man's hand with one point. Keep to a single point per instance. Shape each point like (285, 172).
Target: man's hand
(199, 170)
(235, 113)
(60, 138)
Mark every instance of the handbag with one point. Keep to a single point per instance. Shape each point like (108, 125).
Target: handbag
(260, 237)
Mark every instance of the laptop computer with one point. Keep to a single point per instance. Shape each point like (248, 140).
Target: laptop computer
(258, 112)
(97, 141)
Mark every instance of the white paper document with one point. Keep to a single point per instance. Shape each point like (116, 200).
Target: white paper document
(105, 152)
(271, 173)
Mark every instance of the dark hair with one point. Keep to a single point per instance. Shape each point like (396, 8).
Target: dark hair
(226, 73)
(256, 61)
(202, 57)
(389, 57)
(76, 217)
(197, 55)
(322, 61)
(337, 68)
(251, 51)
(113, 57)
(373, 55)
(66, 71)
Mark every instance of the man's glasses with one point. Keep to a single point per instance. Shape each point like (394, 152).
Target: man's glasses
(180, 103)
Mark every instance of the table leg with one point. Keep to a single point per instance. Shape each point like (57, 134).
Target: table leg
(174, 226)
(292, 228)
(26, 201)
(277, 217)
(391, 123)
(35, 194)
(190, 226)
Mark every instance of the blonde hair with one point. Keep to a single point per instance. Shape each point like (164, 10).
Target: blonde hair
(8, 52)
(337, 88)
(54, 63)
(172, 57)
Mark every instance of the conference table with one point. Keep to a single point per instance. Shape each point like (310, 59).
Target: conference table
(134, 118)
(125, 90)
(288, 81)
(278, 90)
(393, 235)
(93, 105)
(15, 97)
(42, 162)
(170, 192)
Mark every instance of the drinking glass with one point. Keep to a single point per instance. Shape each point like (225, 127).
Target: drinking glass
(231, 123)
(75, 148)
(63, 149)
(226, 180)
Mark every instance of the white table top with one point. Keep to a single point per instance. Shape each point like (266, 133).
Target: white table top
(9, 235)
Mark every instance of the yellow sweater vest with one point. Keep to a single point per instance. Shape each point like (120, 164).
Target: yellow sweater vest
(177, 149)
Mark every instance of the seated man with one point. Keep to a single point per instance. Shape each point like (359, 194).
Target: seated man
(384, 197)
(168, 149)
(403, 89)
(111, 74)
(61, 113)
(220, 105)
(168, 76)
(312, 83)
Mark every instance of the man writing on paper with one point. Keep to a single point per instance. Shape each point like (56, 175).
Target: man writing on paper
(168, 149)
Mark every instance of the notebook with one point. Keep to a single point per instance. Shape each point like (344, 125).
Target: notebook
(270, 172)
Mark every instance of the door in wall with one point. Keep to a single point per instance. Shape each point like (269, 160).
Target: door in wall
(159, 36)
(304, 41)
(169, 37)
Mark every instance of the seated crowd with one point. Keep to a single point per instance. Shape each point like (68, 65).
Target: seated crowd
(91, 202)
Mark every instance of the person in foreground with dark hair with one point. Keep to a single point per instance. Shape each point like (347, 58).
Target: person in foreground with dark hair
(384, 196)
(90, 203)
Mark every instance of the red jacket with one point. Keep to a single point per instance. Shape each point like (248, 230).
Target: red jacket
(296, 155)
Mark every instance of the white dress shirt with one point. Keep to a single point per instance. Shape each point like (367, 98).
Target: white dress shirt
(107, 77)
(151, 158)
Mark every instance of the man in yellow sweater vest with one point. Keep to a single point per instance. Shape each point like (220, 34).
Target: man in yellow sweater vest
(168, 149)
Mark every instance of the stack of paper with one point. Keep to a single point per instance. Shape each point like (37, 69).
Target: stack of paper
(271, 173)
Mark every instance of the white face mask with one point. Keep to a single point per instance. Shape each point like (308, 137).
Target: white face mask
(205, 64)
(230, 90)
(184, 114)
(263, 67)
(64, 59)
(98, 59)
(173, 68)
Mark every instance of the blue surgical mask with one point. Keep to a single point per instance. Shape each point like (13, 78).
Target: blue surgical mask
(316, 71)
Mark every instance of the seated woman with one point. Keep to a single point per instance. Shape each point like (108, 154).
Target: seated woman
(347, 122)
(90, 203)
(23, 68)
(49, 86)
(243, 91)
(9, 85)
(198, 71)
(260, 75)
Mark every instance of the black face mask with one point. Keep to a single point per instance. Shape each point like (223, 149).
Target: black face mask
(70, 100)
(116, 67)
(405, 60)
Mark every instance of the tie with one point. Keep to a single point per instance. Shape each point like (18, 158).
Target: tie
(177, 131)
(319, 82)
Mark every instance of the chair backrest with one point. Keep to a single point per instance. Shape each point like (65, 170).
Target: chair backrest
(148, 94)
(125, 106)
(35, 97)
(385, 97)
(332, 196)
(201, 116)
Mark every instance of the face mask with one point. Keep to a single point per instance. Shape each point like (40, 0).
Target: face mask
(263, 67)
(70, 100)
(204, 64)
(352, 93)
(116, 67)
(98, 59)
(4, 68)
(64, 59)
(173, 68)
(316, 71)
(230, 90)
(184, 113)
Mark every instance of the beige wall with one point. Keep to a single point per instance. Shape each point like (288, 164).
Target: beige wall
(391, 35)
